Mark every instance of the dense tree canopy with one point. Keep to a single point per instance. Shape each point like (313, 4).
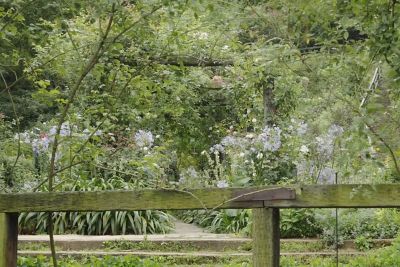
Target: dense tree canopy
(190, 75)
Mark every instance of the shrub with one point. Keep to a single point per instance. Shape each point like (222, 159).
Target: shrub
(98, 223)
(355, 223)
(224, 221)
(294, 222)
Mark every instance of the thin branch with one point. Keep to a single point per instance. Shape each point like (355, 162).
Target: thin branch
(374, 132)
(243, 195)
(186, 192)
(393, 156)
(15, 15)
(186, 61)
(130, 27)
(16, 121)
(92, 62)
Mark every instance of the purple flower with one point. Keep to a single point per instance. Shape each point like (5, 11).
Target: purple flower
(270, 138)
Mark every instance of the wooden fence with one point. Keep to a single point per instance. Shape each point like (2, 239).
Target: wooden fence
(265, 202)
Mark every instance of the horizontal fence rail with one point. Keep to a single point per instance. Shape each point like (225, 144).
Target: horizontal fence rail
(305, 196)
(265, 202)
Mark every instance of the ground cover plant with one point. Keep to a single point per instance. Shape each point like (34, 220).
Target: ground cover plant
(384, 257)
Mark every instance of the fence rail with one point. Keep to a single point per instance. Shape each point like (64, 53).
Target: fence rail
(265, 201)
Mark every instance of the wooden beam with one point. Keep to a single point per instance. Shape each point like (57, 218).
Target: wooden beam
(266, 237)
(173, 60)
(307, 196)
(8, 239)
(123, 200)
(342, 196)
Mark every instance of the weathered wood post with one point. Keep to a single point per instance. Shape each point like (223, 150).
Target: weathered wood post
(266, 247)
(8, 239)
(266, 233)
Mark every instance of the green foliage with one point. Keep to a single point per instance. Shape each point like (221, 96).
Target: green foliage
(294, 223)
(363, 242)
(150, 246)
(299, 223)
(359, 224)
(131, 261)
(42, 261)
(98, 223)
(225, 221)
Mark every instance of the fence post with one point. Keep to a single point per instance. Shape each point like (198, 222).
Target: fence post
(266, 237)
(8, 239)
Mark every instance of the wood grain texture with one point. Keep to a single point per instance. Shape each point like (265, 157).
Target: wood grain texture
(266, 237)
(8, 239)
(307, 196)
(342, 196)
(122, 200)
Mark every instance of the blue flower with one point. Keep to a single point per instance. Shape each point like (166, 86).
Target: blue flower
(144, 138)
(222, 184)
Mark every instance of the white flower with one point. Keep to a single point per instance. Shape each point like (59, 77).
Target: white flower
(192, 173)
(241, 154)
(254, 120)
(270, 138)
(24, 137)
(44, 142)
(201, 35)
(335, 130)
(235, 142)
(222, 184)
(53, 131)
(305, 168)
(181, 179)
(325, 143)
(144, 138)
(327, 176)
(250, 136)
(304, 149)
(228, 141)
(260, 155)
(40, 144)
(65, 129)
(217, 148)
(302, 128)
(85, 134)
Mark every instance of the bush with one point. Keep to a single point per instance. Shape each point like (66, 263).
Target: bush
(224, 221)
(355, 223)
(297, 223)
(294, 222)
(98, 223)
